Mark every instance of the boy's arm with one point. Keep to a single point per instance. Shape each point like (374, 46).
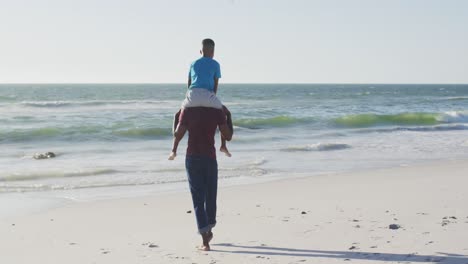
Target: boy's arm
(216, 80)
(217, 75)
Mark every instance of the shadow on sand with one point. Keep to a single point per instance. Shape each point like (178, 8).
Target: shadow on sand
(345, 255)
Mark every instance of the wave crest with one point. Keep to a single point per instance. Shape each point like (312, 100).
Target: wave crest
(415, 119)
(317, 147)
(57, 104)
(81, 133)
(48, 175)
(277, 121)
(144, 132)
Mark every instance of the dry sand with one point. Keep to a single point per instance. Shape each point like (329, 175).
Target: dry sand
(320, 219)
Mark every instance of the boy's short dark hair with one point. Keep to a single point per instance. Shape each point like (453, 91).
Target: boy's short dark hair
(208, 43)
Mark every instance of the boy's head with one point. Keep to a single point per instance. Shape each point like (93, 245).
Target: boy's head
(208, 47)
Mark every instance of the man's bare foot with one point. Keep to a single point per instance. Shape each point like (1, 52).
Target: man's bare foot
(204, 248)
(206, 241)
(225, 151)
(172, 156)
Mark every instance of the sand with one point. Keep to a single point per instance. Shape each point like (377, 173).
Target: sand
(318, 219)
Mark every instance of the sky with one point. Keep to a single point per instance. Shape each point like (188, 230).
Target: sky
(257, 41)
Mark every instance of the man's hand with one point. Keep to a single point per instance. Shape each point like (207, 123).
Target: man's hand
(172, 155)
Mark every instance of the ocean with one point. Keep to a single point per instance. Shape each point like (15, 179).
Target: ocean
(115, 138)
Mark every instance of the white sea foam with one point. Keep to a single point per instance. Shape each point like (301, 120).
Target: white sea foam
(317, 147)
(53, 174)
(454, 117)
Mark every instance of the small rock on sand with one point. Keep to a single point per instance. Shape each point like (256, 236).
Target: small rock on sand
(189, 212)
(394, 226)
(303, 212)
(150, 245)
(47, 155)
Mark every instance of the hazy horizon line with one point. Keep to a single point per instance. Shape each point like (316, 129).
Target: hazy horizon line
(298, 83)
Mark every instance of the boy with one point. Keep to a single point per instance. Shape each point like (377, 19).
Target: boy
(202, 88)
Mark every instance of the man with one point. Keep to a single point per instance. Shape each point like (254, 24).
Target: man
(201, 164)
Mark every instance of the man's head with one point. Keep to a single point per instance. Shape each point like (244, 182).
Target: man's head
(208, 47)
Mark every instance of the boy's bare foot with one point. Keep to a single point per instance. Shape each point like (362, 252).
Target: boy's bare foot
(172, 156)
(225, 151)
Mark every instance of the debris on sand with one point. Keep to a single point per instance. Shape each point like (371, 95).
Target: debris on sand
(47, 155)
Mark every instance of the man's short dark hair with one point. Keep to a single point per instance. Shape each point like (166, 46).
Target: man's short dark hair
(208, 43)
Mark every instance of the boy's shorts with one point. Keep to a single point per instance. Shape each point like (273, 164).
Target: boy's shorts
(199, 97)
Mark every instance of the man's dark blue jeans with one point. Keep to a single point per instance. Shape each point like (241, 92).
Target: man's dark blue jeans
(202, 175)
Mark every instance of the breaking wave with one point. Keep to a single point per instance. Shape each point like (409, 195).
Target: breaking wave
(277, 121)
(317, 147)
(407, 119)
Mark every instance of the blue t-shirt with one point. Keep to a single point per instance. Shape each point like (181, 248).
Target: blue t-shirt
(203, 72)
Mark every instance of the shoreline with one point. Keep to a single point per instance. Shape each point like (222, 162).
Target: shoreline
(16, 204)
(324, 219)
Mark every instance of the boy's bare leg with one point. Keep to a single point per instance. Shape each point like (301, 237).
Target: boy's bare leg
(223, 147)
(175, 142)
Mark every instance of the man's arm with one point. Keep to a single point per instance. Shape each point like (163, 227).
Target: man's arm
(178, 135)
(225, 131)
(216, 81)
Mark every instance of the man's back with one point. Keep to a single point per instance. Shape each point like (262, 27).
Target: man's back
(201, 123)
